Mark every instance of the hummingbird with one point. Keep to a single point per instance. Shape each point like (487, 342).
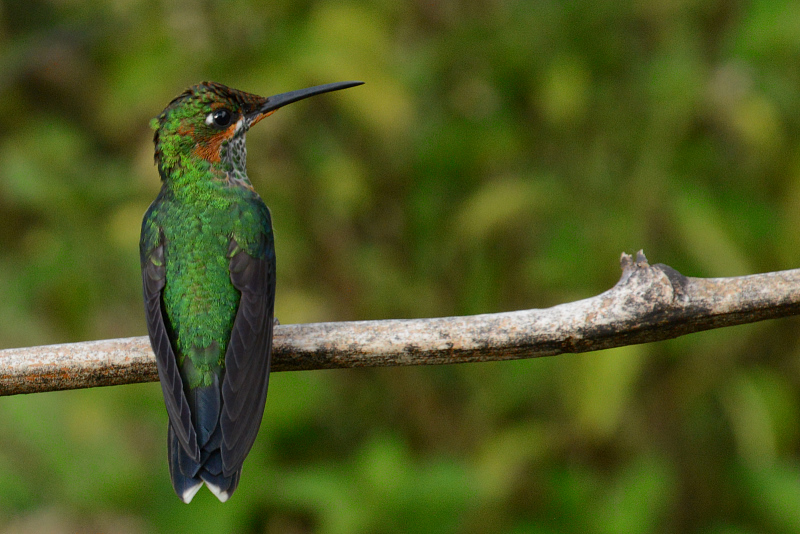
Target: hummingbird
(207, 255)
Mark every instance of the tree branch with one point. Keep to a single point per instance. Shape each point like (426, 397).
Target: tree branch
(649, 303)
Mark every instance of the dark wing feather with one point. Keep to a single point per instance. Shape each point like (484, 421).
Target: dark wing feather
(247, 359)
(153, 281)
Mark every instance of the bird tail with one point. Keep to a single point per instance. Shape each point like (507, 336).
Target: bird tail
(188, 476)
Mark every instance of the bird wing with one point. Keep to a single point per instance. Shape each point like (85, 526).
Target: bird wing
(247, 359)
(151, 255)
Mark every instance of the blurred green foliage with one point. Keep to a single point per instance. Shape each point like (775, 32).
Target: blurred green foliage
(501, 156)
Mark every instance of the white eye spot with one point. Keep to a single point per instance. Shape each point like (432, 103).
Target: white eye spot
(220, 118)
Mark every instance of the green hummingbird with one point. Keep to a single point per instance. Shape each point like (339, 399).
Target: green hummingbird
(208, 270)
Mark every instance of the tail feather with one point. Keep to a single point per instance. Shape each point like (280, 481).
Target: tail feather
(188, 476)
(205, 404)
(182, 470)
(213, 462)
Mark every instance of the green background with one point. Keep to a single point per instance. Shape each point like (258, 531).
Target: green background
(501, 156)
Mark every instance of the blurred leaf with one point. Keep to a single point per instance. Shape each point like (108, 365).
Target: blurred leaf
(706, 238)
(638, 499)
(600, 386)
(774, 491)
(764, 415)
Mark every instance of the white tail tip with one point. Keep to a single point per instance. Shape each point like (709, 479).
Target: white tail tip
(189, 493)
(216, 490)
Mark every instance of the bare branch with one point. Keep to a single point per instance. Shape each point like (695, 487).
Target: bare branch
(649, 303)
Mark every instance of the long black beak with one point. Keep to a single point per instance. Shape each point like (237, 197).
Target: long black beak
(277, 101)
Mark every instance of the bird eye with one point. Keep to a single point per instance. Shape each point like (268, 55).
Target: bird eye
(220, 118)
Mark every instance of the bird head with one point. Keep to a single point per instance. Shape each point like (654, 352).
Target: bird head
(208, 121)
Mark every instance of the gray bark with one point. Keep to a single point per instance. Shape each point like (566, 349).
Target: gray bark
(649, 303)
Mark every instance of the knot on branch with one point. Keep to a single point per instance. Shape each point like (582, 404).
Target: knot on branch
(646, 291)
